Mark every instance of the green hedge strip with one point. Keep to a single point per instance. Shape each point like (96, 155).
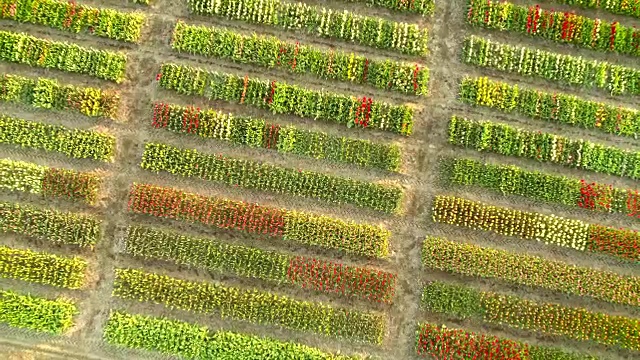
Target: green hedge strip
(36, 313)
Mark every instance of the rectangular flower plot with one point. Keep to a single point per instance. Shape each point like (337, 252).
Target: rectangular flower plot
(250, 305)
(36, 313)
(300, 58)
(305, 272)
(471, 260)
(272, 178)
(74, 143)
(544, 147)
(282, 98)
(552, 107)
(342, 25)
(22, 48)
(254, 132)
(42, 268)
(48, 93)
(620, 7)
(564, 27)
(547, 318)
(173, 337)
(304, 228)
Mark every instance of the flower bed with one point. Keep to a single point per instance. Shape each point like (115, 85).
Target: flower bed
(249, 305)
(75, 143)
(300, 58)
(271, 178)
(282, 98)
(42, 268)
(422, 7)
(620, 7)
(211, 124)
(522, 269)
(47, 93)
(564, 27)
(305, 272)
(511, 141)
(343, 25)
(191, 341)
(36, 313)
(553, 107)
(304, 228)
(22, 48)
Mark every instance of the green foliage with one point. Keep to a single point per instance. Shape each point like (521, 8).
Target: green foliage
(75, 143)
(249, 305)
(282, 98)
(21, 176)
(454, 300)
(271, 52)
(49, 225)
(547, 353)
(43, 268)
(35, 313)
(422, 7)
(272, 178)
(22, 48)
(621, 7)
(46, 93)
(344, 25)
(191, 341)
(69, 16)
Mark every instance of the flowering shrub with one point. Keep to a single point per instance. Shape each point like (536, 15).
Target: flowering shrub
(546, 318)
(621, 7)
(47, 93)
(300, 58)
(42, 268)
(253, 132)
(522, 269)
(36, 313)
(557, 26)
(192, 341)
(507, 140)
(344, 25)
(249, 305)
(619, 80)
(282, 98)
(272, 178)
(305, 272)
(22, 48)
(49, 225)
(553, 107)
(75, 143)
(305, 228)
(67, 15)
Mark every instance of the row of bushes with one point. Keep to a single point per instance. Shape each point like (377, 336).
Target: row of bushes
(282, 98)
(249, 305)
(36, 313)
(253, 132)
(272, 178)
(300, 227)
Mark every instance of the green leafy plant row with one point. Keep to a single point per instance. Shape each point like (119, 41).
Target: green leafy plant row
(305, 272)
(50, 225)
(75, 143)
(620, 7)
(547, 318)
(36, 313)
(271, 178)
(245, 130)
(249, 305)
(49, 182)
(343, 25)
(70, 16)
(572, 70)
(522, 269)
(441, 342)
(191, 341)
(282, 98)
(271, 52)
(47, 93)
(557, 26)
(511, 141)
(42, 268)
(552, 107)
(22, 48)
(422, 7)
(289, 225)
